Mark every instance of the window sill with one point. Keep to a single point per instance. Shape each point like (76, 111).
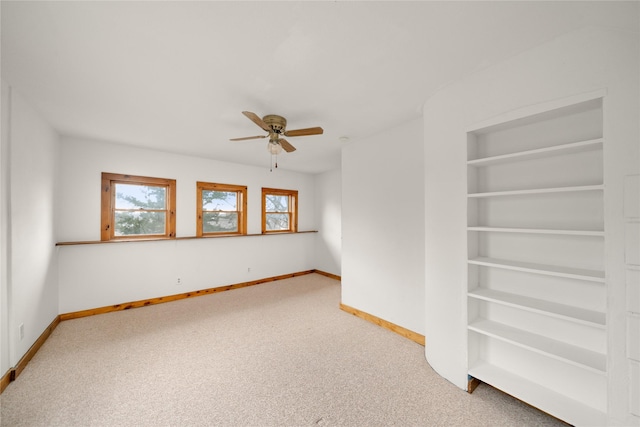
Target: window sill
(155, 239)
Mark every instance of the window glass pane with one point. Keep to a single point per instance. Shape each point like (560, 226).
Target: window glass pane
(277, 203)
(219, 222)
(219, 200)
(140, 223)
(129, 196)
(277, 221)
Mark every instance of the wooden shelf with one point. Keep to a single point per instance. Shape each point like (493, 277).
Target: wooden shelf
(548, 400)
(593, 233)
(574, 314)
(173, 239)
(549, 270)
(577, 356)
(539, 191)
(575, 147)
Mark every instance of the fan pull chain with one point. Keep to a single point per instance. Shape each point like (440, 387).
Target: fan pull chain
(271, 165)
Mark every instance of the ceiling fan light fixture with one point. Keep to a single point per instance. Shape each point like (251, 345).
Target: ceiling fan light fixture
(274, 147)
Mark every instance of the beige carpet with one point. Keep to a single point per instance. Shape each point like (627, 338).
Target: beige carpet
(276, 354)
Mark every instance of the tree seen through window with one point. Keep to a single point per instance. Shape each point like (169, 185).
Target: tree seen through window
(140, 210)
(279, 210)
(135, 207)
(221, 209)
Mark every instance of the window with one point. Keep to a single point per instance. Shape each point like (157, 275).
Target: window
(279, 210)
(221, 209)
(135, 207)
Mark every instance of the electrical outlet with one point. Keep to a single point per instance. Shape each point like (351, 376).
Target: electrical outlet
(248, 269)
(21, 331)
(179, 281)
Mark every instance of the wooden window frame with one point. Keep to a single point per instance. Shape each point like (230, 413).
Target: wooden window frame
(240, 190)
(107, 226)
(293, 209)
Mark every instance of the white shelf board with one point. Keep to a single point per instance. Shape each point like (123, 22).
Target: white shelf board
(574, 147)
(534, 113)
(577, 356)
(594, 233)
(545, 399)
(574, 314)
(538, 191)
(549, 270)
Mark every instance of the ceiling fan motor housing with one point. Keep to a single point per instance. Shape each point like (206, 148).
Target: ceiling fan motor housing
(275, 122)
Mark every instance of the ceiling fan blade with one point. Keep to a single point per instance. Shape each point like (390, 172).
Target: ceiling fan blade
(257, 120)
(304, 132)
(285, 144)
(248, 137)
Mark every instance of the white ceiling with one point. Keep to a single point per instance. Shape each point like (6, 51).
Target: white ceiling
(175, 76)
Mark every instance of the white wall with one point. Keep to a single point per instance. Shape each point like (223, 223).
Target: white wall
(31, 279)
(98, 275)
(576, 63)
(329, 213)
(4, 228)
(383, 225)
(84, 160)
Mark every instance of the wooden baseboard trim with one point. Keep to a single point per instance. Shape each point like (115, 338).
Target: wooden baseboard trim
(329, 275)
(5, 380)
(161, 300)
(472, 384)
(17, 370)
(413, 336)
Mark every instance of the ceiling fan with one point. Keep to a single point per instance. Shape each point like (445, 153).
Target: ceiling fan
(276, 127)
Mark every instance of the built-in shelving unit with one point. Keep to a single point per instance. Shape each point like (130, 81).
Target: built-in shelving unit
(536, 293)
(575, 147)
(540, 344)
(535, 394)
(538, 231)
(592, 318)
(551, 270)
(538, 191)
